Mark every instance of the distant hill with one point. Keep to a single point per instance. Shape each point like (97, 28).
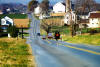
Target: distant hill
(14, 7)
(15, 1)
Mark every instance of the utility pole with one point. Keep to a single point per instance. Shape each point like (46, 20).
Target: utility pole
(22, 33)
(68, 5)
(69, 11)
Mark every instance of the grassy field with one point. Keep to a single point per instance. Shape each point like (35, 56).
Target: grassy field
(43, 32)
(15, 53)
(21, 23)
(61, 29)
(54, 21)
(83, 39)
(79, 39)
(14, 16)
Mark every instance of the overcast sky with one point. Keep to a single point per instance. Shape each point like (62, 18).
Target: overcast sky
(26, 1)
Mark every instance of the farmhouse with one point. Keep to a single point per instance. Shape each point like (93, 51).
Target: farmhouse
(59, 7)
(69, 17)
(37, 11)
(94, 20)
(6, 21)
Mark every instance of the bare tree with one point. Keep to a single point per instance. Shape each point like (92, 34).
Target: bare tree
(82, 6)
(46, 27)
(32, 4)
(45, 6)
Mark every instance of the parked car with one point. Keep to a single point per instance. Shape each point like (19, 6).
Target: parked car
(44, 37)
(38, 34)
(50, 35)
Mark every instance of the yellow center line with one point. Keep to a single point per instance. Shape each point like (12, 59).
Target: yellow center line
(89, 51)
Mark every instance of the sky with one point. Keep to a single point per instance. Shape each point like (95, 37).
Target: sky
(26, 1)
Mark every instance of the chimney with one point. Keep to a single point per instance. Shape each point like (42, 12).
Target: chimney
(68, 5)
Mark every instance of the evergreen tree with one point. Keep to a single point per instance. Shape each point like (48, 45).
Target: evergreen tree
(0, 28)
(13, 31)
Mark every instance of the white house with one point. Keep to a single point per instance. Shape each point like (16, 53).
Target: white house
(6, 21)
(70, 17)
(8, 10)
(94, 20)
(37, 10)
(59, 7)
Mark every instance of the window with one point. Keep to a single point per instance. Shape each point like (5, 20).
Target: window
(73, 17)
(67, 17)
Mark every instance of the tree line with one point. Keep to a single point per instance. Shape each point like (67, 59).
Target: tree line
(34, 3)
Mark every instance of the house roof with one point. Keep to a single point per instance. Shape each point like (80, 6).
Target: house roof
(61, 3)
(6, 21)
(7, 18)
(19, 23)
(94, 15)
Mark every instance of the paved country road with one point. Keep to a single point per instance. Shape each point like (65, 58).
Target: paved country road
(51, 53)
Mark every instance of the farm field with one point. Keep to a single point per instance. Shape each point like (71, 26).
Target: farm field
(22, 23)
(14, 16)
(58, 21)
(83, 39)
(15, 53)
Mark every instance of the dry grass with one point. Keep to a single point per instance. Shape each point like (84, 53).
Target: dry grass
(19, 23)
(54, 21)
(57, 14)
(15, 53)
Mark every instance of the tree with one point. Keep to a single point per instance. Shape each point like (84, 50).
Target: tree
(32, 4)
(13, 31)
(46, 27)
(83, 6)
(0, 29)
(45, 6)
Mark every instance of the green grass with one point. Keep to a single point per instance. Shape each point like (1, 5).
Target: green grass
(15, 53)
(26, 34)
(43, 32)
(61, 29)
(83, 39)
(14, 16)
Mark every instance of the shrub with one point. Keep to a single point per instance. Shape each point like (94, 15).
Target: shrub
(92, 31)
(13, 31)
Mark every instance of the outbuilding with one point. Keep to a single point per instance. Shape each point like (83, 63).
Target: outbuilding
(94, 20)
